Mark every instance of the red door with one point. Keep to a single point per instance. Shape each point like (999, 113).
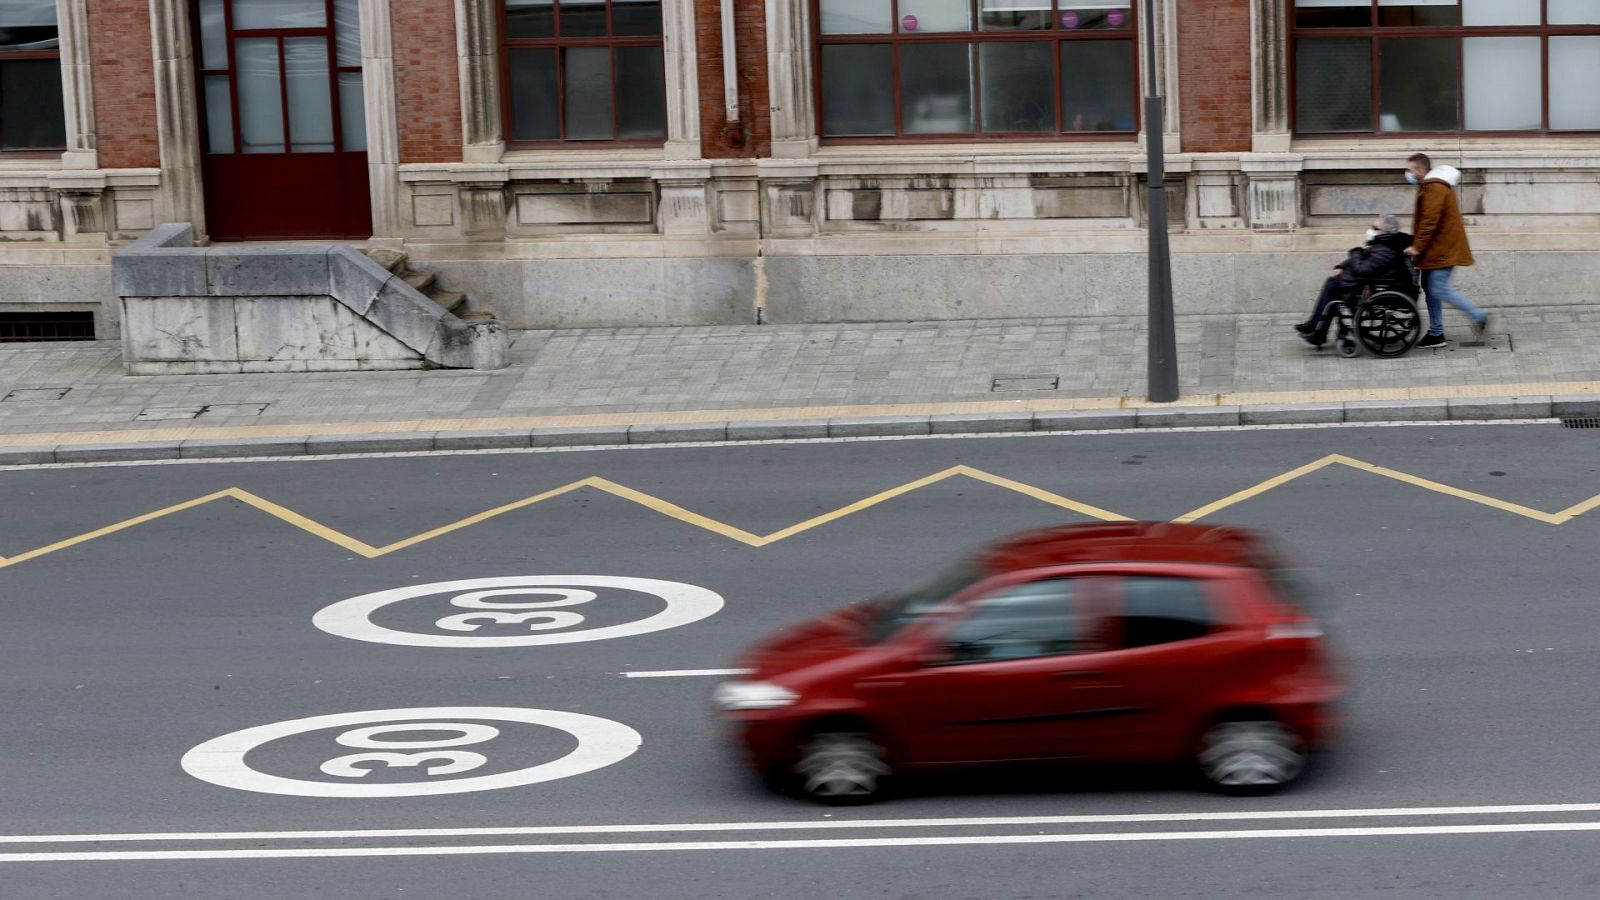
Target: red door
(285, 130)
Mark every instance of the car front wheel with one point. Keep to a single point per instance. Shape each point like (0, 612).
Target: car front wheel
(1250, 756)
(841, 768)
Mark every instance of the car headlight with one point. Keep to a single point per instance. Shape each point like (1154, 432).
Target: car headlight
(732, 696)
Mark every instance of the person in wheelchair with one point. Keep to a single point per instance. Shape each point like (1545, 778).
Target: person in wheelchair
(1380, 259)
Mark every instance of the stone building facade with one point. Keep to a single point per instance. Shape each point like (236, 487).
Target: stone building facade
(627, 162)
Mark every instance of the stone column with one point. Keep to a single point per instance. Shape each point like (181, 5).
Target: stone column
(177, 114)
(478, 48)
(790, 83)
(683, 80)
(1167, 72)
(383, 126)
(77, 86)
(1269, 79)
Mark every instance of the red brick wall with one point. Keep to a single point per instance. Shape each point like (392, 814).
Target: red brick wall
(124, 83)
(427, 85)
(1214, 66)
(752, 135)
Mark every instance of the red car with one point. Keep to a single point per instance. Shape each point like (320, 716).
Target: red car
(1125, 643)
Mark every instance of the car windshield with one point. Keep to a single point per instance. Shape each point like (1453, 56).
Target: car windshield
(901, 609)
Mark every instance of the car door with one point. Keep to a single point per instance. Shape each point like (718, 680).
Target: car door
(1001, 682)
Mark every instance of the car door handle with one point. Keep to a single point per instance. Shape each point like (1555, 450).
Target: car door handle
(1081, 676)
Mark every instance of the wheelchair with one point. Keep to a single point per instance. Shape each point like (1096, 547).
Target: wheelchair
(1381, 317)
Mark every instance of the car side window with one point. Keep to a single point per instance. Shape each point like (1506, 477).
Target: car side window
(1039, 618)
(1158, 610)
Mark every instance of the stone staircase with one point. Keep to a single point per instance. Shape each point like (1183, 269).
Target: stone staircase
(426, 283)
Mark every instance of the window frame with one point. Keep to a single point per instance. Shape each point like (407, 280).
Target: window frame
(1375, 33)
(1054, 35)
(22, 55)
(558, 43)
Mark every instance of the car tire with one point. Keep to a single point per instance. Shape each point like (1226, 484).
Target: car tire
(841, 768)
(1250, 756)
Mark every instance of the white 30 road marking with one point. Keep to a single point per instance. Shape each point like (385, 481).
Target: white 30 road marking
(817, 844)
(601, 742)
(352, 618)
(1254, 815)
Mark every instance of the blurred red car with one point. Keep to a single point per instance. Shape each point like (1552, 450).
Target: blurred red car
(1125, 643)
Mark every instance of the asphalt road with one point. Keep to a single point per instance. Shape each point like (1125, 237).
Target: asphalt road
(1470, 624)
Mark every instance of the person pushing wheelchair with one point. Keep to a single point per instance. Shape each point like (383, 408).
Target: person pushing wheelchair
(1381, 258)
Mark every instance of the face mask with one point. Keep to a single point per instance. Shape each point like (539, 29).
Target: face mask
(1372, 235)
(1411, 177)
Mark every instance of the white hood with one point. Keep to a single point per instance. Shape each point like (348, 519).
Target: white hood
(1448, 174)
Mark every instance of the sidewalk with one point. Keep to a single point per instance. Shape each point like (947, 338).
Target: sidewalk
(71, 402)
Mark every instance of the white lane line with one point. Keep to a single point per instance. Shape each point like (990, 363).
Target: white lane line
(811, 844)
(812, 825)
(684, 673)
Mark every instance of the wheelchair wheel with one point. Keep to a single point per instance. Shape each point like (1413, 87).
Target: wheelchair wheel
(1348, 348)
(1388, 324)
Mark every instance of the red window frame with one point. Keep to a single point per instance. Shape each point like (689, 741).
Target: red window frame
(1376, 32)
(557, 42)
(1055, 35)
(18, 55)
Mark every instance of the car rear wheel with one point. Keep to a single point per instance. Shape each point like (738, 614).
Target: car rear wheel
(1255, 756)
(841, 768)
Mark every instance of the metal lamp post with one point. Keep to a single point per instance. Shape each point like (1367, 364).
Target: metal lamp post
(1162, 367)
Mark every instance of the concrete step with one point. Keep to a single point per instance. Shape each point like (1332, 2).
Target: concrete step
(450, 300)
(393, 260)
(421, 281)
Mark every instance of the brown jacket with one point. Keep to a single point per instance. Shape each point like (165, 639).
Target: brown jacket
(1441, 234)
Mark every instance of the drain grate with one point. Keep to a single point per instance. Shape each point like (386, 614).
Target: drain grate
(1005, 383)
(1582, 422)
(166, 413)
(35, 395)
(19, 327)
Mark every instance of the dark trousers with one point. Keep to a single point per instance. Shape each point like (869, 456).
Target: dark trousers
(1322, 316)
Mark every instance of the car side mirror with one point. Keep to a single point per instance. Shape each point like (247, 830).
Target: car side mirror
(934, 655)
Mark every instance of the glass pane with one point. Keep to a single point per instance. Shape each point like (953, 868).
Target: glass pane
(310, 99)
(641, 94)
(213, 35)
(28, 25)
(1332, 14)
(1574, 12)
(1163, 611)
(1026, 621)
(1333, 85)
(636, 16)
(1097, 91)
(1501, 12)
(1574, 71)
(1013, 15)
(857, 89)
(1417, 85)
(32, 112)
(530, 18)
(1016, 77)
(260, 95)
(857, 16)
(1095, 16)
(1409, 13)
(583, 18)
(1501, 89)
(280, 14)
(921, 16)
(936, 88)
(535, 112)
(219, 115)
(587, 82)
(347, 32)
(352, 112)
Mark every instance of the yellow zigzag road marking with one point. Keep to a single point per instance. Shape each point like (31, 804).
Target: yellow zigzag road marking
(687, 516)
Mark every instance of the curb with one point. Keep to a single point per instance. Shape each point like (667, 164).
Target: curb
(1351, 412)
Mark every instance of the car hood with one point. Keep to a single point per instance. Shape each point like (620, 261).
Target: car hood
(810, 643)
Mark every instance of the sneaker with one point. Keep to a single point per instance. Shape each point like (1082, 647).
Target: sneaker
(1479, 329)
(1432, 340)
(1305, 328)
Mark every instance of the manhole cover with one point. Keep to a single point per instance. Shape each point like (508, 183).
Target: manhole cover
(1582, 422)
(36, 394)
(1500, 343)
(167, 413)
(234, 409)
(1004, 383)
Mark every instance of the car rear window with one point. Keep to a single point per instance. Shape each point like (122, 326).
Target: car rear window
(1158, 610)
(1295, 589)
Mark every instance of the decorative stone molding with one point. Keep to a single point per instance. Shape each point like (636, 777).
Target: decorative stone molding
(177, 113)
(791, 86)
(383, 118)
(679, 51)
(77, 86)
(478, 47)
(1273, 190)
(1269, 80)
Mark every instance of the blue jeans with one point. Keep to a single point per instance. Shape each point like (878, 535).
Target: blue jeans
(1436, 283)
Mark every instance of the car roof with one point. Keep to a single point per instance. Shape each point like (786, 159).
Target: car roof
(1127, 542)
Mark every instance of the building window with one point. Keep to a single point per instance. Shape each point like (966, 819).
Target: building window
(975, 69)
(1446, 66)
(584, 71)
(32, 113)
